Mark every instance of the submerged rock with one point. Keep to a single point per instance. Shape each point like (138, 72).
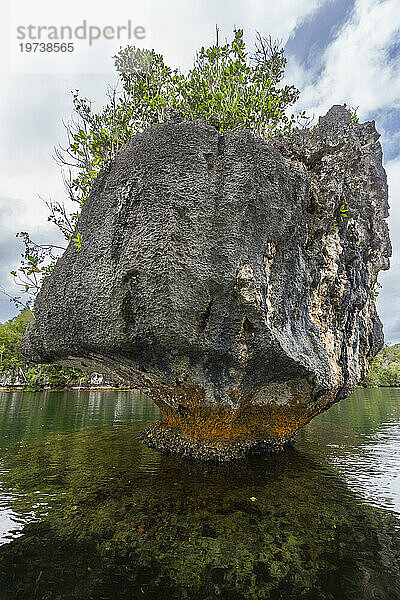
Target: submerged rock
(230, 278)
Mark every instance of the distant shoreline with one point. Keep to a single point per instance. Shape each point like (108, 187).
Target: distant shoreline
(129, 389)
(70, 389)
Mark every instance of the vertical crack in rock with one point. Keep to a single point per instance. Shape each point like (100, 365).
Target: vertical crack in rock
(229, 278)
(204, 317)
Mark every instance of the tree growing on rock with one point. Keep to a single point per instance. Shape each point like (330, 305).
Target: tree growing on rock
(227, 87)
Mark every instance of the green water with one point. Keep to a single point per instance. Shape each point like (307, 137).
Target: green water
(88, 512)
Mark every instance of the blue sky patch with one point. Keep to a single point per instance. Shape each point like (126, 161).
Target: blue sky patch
(308, 41)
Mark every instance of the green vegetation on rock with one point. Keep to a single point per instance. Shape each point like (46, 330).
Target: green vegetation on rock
(227, 87)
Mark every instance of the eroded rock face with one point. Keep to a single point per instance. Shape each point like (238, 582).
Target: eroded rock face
(230, 279)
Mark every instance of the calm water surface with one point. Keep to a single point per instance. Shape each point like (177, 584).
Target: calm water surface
(88, 512)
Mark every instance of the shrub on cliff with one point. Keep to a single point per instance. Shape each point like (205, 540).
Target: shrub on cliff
(227, 87)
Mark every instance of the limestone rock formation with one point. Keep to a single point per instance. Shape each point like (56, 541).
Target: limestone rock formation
(230, 278)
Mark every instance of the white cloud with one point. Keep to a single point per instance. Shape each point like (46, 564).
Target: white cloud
(356, 69)
(393, 175)
(281, 18)
(388, 301)
(34, 105)
(177, 28)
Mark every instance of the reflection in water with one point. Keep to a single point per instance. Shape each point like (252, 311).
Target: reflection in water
(108, 518)
(361, 438)
(30, 415)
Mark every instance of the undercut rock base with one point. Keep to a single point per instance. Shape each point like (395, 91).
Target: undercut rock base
(228, 277)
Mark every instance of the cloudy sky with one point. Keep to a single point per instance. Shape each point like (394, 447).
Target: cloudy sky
(338, 51)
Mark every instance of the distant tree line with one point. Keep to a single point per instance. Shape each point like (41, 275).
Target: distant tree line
(14, 367)
(385, 368)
